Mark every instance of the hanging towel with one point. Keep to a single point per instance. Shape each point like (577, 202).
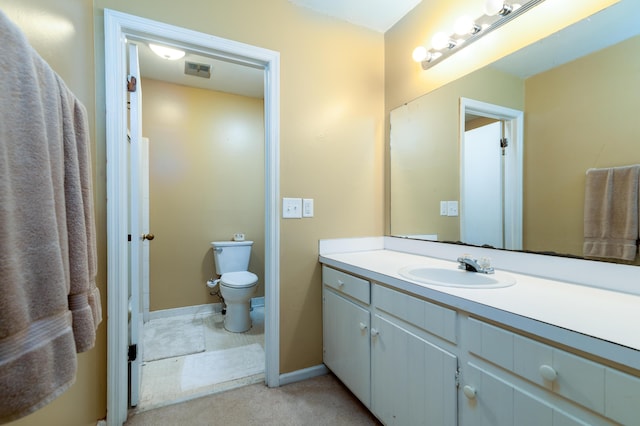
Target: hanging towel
(49, 304)
(611, 213)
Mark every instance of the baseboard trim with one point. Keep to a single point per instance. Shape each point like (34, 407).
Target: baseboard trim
(186, 310)
(304, 374)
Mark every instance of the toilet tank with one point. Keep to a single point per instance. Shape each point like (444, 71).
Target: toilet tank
(231, 256)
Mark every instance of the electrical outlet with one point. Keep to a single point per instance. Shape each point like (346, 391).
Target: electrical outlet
(307, 207)
(452, 208)
(292, 208)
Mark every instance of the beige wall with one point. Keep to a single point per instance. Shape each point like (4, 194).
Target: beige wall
(594, 123)
(206, 182)
(425, 153)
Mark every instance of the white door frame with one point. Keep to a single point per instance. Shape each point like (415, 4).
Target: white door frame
(117, 27)
(513, 186)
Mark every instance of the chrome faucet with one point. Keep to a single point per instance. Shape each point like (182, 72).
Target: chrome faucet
(470, 264)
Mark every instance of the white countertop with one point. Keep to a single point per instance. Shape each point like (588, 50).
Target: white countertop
(599, 321)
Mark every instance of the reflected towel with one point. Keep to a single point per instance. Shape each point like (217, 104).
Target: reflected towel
(611, 213)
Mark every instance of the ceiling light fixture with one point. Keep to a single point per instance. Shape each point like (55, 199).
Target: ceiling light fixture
(166, 52)
(468, 30)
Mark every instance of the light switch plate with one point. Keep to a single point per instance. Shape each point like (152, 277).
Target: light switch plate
(307, 207)
(292, 208)
(443, 208)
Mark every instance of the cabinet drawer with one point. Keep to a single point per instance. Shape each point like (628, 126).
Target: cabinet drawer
(605, 390)
(435, 319)
(352, 286)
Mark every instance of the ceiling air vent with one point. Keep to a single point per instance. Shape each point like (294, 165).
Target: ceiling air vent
(197, 70)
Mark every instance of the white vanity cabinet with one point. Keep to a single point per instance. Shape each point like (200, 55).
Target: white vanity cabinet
(385, 346)
(346, 325)
(414, 360)
(413, 377)
(513, 379)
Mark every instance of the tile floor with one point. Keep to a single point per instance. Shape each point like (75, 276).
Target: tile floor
(238, 356)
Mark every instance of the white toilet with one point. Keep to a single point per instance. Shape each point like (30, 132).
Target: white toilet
(237, 284)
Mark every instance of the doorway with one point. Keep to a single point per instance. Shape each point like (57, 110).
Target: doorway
(119, 26)
(206, 183)
(491, 161)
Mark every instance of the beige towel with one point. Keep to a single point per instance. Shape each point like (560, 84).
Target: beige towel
(49, 305)
(611, 213)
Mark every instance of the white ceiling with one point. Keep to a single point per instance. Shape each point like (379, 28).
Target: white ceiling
(225, 76)
(378, 15)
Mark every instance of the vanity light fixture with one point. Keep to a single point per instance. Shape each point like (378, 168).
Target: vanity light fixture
(166, 52)
(467, 30)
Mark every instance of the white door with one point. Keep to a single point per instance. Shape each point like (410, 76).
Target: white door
(346, 343)
(143, 291)
(137, 230)
(413, 382)
(482, 206)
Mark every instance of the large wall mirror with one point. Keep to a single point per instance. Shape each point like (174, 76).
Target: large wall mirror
(579, 91)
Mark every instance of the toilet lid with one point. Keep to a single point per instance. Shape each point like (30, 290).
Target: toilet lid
(238, 279)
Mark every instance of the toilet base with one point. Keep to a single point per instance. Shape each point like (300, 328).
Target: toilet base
(238, 318)
(238, 301)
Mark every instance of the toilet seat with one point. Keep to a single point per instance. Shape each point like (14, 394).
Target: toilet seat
(240, 279)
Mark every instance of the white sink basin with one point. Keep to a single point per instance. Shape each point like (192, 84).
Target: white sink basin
(456, 277)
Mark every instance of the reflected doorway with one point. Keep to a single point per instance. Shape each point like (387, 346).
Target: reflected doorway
(491, 159)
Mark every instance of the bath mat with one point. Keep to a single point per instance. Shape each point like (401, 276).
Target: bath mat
(171, 337)
(209, 368)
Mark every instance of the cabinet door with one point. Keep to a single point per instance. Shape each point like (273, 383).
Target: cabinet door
(493, 401)
(346, 344)
(413, 381)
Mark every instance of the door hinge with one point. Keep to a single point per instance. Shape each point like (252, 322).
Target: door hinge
(132, 354)
(504, 143)
(132, 83)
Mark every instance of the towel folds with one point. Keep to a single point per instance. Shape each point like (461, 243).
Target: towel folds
(611, 213)
(49, 304)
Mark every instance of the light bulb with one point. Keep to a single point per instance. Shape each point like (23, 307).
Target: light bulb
(464, 25)
(440, 41)
(494, 7)
(420, 53)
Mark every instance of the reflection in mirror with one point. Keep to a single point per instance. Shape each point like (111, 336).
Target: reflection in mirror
(491, 142)
(578, 90)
